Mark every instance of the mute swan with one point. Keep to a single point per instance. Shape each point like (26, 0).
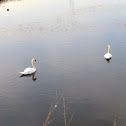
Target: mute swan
(29, 70)
(108, 55)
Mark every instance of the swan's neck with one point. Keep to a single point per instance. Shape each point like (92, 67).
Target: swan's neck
(33, 64)
(108, 49)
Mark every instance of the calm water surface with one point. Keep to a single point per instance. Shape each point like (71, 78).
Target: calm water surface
(68, 38)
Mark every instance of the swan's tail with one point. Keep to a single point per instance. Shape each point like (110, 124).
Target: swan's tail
(22, 72)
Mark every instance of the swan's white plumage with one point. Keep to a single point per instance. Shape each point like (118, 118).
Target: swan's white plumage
(29, 70)
(108, 56)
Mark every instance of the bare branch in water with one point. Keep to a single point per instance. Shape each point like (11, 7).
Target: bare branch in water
(115, 123)
(52, 108)
(70, 119)
(64, 113)
(51, 121)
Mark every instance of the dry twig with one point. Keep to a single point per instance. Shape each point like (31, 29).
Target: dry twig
(115, 121)
(70, 119)
(52, 108)
(64, 113)
(65, 122)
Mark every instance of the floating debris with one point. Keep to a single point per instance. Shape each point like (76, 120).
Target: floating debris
(7, 9)
(55, 106)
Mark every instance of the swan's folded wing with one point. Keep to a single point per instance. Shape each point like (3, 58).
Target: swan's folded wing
(28, 71)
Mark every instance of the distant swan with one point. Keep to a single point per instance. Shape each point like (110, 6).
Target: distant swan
(29, 70)
(108, 55)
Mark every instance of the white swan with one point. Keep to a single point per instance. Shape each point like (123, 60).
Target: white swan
(108, 55)
(29, 70)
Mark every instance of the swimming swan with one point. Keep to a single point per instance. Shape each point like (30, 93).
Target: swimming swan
(29, 70)
(108, 55)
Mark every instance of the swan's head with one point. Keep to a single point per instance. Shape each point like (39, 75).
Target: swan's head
(34, 59)
(109, 46)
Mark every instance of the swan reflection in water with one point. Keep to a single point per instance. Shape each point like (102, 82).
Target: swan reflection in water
(108, 60)
(29, 75)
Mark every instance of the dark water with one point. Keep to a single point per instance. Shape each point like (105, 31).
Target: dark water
(68, 38)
